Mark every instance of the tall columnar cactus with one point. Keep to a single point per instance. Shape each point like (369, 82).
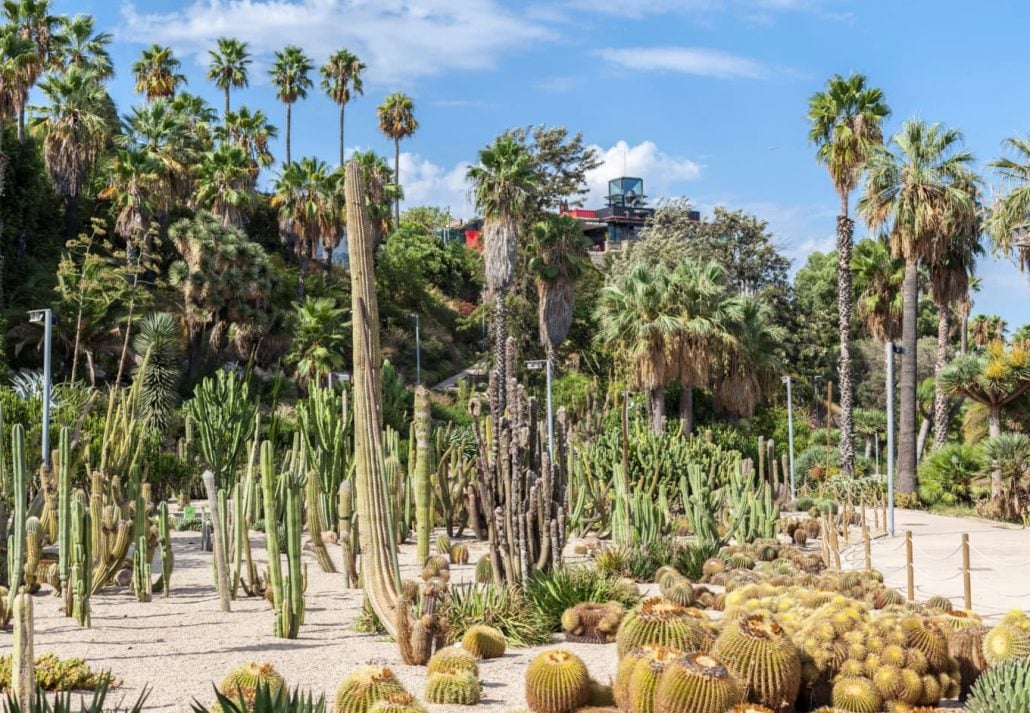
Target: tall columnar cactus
(31, 574)
(423, 487)
(220, 557)
(380, 573)
(64, 508)
(80, 569)
(23, 678)
(16, 538)
(316, 525)
(753, 513)
(142, 583)
(223, 412)
(287, 590)
(325, 425)
(348, 534)
(702, 504)
(165, 537)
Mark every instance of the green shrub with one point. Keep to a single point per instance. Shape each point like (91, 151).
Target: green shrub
(54, 674)
(552, 593)
(640, 562)
(467, 605)
(945, 475)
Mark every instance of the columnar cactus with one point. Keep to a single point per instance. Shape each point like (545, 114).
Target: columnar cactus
(80, 570)
(64, 508)
(423, 487)
(287, 592)
(348, 534)
(16, 539)
(23, 678)
(142, 583)
(316, 526)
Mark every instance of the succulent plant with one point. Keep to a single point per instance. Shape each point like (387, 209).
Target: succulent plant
(697, 683)
(929, 637)
(452, 658)
(242, 682)
(365, 686)
(443, 545)
(763, 658)
(856, 695)
(644, 677)
(681, 593)
(398, 703)
(659, 621)
(592, 623)
(459, 554)
(453, 687)
(940, 603)
(484, 642)
(484, 570)
(600, 695)
(556, 682)
(1008, 640)
(967, 648)
(1004, 688)
(750, 708)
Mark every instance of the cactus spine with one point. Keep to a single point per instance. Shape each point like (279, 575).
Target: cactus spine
(423, 487)
(23, 678)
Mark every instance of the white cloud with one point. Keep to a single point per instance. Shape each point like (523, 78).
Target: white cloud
(557, 84)
(400, 40)
(699, 61)
(661, 171)
(744, 8)
(426, 183)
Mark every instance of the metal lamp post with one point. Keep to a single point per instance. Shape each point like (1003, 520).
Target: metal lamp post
(790, 434)
(46, 317)
(418, 348)
(545, 364)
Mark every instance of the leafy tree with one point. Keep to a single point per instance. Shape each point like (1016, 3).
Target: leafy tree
(157, 73)
(846, 126)
(229, 65)
(78, 44)
(561, 163)
(341, 79)
(1012, 206)
(290, 77)
(252, 132)
(815, 299)
(225, 184)
(397, 121)
(878, 277)
(320, 339)
(158, 346)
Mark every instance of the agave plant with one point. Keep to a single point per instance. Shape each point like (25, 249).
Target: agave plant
(62, 702)
(264, 700)
(28, 384)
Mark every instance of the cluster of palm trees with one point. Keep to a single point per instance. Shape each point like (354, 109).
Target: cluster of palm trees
(922, 199)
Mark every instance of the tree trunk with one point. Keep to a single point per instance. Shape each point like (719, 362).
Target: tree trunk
(71, 217)
(965, 332)
(328, 259)
(907, 420)
(226, 113)
(21, 124)
(940, 399)
(868, 447)
(342, 145)
(687, 408)
(657, 399)
(924, 433)
(500, 340)
(302, 268)
(397, 178)
(289, 126)
(994, 429)
(845, 230)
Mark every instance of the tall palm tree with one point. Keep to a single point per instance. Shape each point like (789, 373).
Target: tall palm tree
(559, 250)
(225, 185)
(252, 132)
(965, 307)
(134, 185)
(157, 73)
(911, 187)
(341, 79)
(503, 184)
(878, 279)
(1012, 208)
(290, 76)
(34, 23)
(78, 44)
(751, 362)
(397, 121)
(846, 125)
(987, 330)
(228, 67)
(380, 191)
(638, 323)
(308, 198)
(163, 132)
(74, 125)
(17, 55)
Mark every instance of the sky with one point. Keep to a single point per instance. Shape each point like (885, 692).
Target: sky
(701, 98)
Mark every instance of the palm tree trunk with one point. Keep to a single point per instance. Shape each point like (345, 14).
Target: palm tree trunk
(500, 340)
(71, 217)
(21, 124)
(328, 259)
(907, 420)
(845, 231)
(994, 429)
(397, 178)
(289, 126)
(302, 268)
(657, 398)
(687, 408)
(924, 433)
(940, 400)
(342, 145)
(226, 113)
(965, 332)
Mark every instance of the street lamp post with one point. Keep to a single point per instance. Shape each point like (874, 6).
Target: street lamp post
(545, 364)
(790, 435)
(891, 351)
(46, 317)
(418, 348)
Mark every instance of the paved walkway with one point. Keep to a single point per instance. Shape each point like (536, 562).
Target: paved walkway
(999, 560)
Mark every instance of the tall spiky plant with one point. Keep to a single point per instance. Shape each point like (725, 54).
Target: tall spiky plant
(158, 345)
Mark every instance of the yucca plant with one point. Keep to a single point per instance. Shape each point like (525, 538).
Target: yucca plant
(62, 702)
(505, 609)
(158, 346)
(551, 593)
(265, 701)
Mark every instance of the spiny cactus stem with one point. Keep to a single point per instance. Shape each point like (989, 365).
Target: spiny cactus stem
(221, 570)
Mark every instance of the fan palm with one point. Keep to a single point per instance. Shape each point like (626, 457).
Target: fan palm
(397, 121)
(319, 339)
(34, 23)
(559, 250)
(987, 330)
(134, 186)
(251, 131)
(308, 198)
(163, 132)
(639, 324)
(878, 280)
(78, 44)
(380, 191)
(74, 125)
(846, 125)
(17, 56)
(1012, 208)
(751, 361)
(290, 77)
(503, 184)
(965, 306)
(157, 73)
(228, 67)
(225, 184)
(341, 79)
(913, 187)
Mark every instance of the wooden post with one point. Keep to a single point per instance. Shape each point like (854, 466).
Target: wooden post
(221, 570)
(967, 584)
(868, 546)
(910, 566)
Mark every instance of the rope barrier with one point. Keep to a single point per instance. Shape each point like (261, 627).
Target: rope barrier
(937, 579)
(892, 549)
(937, 559)
(999, 562)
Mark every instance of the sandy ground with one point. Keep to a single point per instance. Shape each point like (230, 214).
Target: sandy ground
(181, 645)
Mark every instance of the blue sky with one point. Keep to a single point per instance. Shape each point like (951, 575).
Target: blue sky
(702, 98)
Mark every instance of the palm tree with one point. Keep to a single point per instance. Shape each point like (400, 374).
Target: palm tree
(308, 198)
(560, 258)
(751, 362)
(74, 126)
(878, 279)
(228, 67)
(397, 121)
(913, 186)
(638, 324)
(503, 185)
(965, 307)
(134, 185)
(78, 44)
(290, 77)
(252, 132)
(319, 339)
(162, 131)
(1012, 208)
(380, 191)
(225, 185)
(987, 330)
(846, 125)
(341, 79)
(157, 73)
(17, 56)
(34, 23)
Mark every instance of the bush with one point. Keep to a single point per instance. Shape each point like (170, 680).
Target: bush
(945, 475)
(467, 605)
(811, 464)
(54, 674)
(640, 562)
(552, 593)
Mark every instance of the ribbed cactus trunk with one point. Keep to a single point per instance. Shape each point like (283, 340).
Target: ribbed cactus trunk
(348, 534)
(64, 514)
(381, 578)
(16, 538)
(80, 571)
(221, 567)
(423, 486)
(23, 677)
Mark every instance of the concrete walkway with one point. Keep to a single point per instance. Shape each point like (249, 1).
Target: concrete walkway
(999, 560)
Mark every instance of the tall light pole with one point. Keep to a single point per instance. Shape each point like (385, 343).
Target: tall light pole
(790, 435)
(418, 348)
(891, 351)
(46, 317)
(545, 364)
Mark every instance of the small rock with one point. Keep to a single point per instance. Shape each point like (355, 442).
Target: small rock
(123, 578)
(330, 538)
